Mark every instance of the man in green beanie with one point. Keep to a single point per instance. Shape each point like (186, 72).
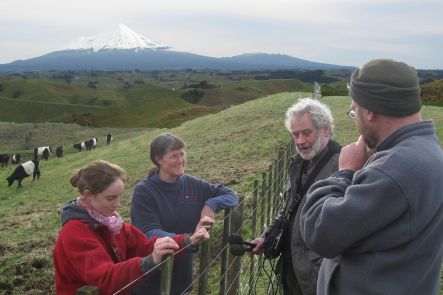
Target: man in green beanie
(379, 219)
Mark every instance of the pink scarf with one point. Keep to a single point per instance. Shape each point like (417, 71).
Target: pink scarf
(114, 223)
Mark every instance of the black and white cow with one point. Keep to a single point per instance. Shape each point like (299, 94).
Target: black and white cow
(44, 151)
(4, 160)
(108, 138)
(16, 158)
(24, 170)
(79, 146)
(59, 151)
(90, 144)
(94, 143)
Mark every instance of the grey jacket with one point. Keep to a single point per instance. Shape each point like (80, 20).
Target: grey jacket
(382, 227)
(305, 262)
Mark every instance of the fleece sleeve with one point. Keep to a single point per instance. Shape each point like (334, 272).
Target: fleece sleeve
(86, 257)
(343, 215)
(220, 197)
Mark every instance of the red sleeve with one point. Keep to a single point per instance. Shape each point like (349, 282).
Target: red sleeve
(87, 258)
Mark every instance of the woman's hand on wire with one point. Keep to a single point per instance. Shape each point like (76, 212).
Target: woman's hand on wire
(199, 235)
(163, 246)
(205, 222)
(207, 211)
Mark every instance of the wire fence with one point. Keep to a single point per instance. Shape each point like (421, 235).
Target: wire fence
(238, 274)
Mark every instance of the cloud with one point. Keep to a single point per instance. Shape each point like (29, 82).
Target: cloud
(332, 31)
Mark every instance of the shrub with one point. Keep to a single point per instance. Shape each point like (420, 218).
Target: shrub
(193, 96)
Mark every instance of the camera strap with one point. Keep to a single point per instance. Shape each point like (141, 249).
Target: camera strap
(333, 148)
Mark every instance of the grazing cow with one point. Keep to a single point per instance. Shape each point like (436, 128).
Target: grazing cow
(4, 159)
(59, 151)
(24, 170)
(90, 144)
(108, 138)
(79, 146)
(44, 151)
(94, 143)
(16, 159)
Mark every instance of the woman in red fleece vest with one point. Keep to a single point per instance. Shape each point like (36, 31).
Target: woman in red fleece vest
(95, 247)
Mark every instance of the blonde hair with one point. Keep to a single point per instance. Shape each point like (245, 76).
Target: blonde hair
(96, 176)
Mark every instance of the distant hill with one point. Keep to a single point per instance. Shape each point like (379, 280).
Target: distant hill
(157, 59)
(432, 93)
(128, 99)
(277, 61)
(104, 102)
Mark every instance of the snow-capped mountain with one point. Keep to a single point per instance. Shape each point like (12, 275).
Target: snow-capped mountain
(127, 50)
(124, 38)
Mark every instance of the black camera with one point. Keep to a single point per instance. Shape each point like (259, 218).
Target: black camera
(273, 243)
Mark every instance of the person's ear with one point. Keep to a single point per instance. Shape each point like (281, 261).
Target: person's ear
(327, 131)
(371, 116)
(157, 159)
(87, 194)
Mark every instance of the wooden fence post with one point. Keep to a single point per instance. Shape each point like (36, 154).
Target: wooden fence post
(87, 290)
(262, 202)
(166, 275)
(275, 197)
(233, 278)
(205, 248)
(270, 199)
(280, 168)
(254, 234)
(225, 253)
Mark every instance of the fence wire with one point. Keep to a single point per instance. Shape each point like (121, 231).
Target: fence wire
(275, 185)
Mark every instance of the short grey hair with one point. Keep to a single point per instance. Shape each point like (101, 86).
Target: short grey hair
(164, 143)
(319, 113)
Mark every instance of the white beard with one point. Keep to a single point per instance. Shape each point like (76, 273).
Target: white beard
(316, 148)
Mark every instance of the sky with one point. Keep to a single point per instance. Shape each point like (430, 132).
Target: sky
(343, 32)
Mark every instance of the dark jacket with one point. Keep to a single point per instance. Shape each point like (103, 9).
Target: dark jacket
(305, 262)
(164, 209)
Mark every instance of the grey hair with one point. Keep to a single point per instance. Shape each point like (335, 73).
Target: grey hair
(319, 113)
(164, 143)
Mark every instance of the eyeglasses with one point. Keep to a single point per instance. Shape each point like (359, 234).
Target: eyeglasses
(176, 157)
(351, 113)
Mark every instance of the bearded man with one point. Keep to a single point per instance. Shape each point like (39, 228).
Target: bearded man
(310, 123)
(379, 219)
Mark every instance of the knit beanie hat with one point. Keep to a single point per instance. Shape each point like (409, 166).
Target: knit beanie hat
(387, 87)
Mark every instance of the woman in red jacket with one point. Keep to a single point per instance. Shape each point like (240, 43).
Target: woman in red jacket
(95, 247)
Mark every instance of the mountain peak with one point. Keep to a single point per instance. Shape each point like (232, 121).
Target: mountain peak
(124, 38)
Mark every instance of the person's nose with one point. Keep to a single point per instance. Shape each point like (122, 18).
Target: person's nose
(300, 139)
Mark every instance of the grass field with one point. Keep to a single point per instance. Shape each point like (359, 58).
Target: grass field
(234, 145)
(123, 99)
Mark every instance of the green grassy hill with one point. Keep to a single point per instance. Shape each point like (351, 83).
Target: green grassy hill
(233, 93)
(105, 103)
(432, 93)
(133, 98)
(235, 144)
